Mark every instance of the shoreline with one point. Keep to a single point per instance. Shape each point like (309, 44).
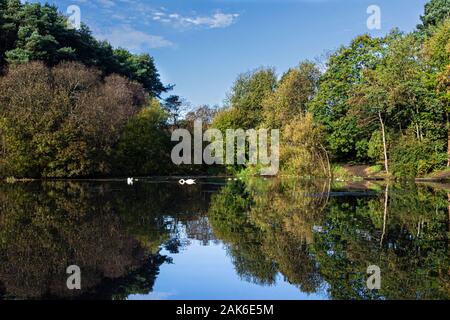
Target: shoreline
(437, 180)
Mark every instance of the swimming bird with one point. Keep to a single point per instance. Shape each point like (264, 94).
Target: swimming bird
(130, 181)
(188, 181)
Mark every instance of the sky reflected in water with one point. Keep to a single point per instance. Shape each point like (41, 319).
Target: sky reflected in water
(245, 239)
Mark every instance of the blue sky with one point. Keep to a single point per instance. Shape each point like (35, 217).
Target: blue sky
(202, 45)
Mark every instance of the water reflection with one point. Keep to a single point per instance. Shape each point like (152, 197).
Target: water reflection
(112, 232)
(313, 236)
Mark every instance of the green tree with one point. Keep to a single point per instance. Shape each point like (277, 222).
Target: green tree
(245, 101)
(394, 95)
(294, 91)
(436, 11)
(140, 68)
(330, 106)
(437, 55)
(32, 31)
(144, 145)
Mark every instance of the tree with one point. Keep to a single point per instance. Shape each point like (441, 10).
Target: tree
(32, 31)
(8, 27)
(140, 68)
(394, 94)
(172, 105)
(436, 11)
(330, 105)
(62, 121)
(292, 95)
(302, 152)
(144, 145)
(437, 55)
(245, 100)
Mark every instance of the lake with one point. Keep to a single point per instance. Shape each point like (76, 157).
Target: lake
(224, 239)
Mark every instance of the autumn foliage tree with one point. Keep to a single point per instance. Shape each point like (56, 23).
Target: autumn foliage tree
(294, 91)
(62, 121)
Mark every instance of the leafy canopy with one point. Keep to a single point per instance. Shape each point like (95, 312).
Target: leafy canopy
(32, 31)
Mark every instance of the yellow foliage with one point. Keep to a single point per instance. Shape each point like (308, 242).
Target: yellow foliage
(302, 152)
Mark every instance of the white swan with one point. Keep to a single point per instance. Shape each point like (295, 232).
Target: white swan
(188, 181)
(130, 181)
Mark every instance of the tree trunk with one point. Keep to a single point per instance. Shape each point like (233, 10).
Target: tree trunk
(3, 152)
(448, 221)
(386, 202)
(417, 132)
(386, 166)
(448, 146)
(330, 174)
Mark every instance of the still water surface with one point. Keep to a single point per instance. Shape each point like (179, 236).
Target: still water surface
(253, 239)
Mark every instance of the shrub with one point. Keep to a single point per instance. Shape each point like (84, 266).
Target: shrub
(411, 158)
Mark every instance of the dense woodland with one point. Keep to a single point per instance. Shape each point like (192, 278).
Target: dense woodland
(73, 106)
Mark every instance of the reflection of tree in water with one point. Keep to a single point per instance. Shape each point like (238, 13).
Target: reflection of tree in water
(288, 227)
(113, 233)
(138, 281)
(405, 236)
(200, 229)
(312, 237)
(230, 222)
(188, 216)
(265, 224)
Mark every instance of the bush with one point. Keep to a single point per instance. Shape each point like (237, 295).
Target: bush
(411, 158)
(374, 169)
